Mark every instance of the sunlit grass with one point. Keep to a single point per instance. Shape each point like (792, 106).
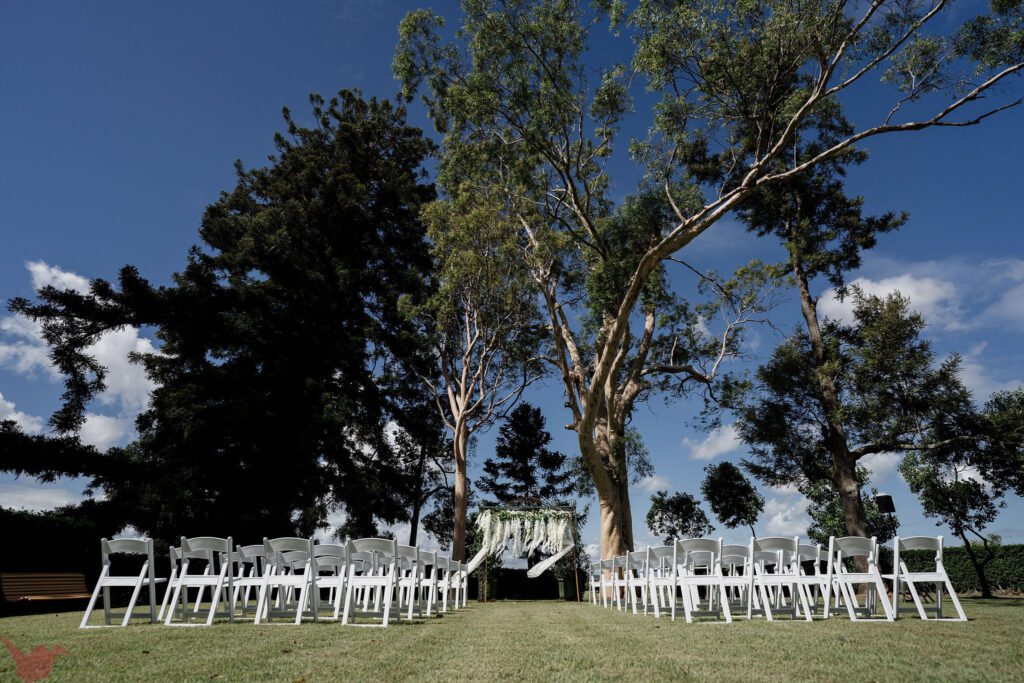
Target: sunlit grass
(536, 641)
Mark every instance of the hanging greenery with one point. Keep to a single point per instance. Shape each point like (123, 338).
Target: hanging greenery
(528, 530)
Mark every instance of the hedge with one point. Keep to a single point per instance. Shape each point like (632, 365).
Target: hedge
(1005, 571)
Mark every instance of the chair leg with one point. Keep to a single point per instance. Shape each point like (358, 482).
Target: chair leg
(348, 603)
(94, 598)
(956, 601)
(725, 603)
(388, 595)
(131, 603)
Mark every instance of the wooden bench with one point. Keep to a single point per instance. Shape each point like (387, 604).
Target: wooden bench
(35, 587)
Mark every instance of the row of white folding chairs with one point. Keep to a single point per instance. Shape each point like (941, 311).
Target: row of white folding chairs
(769, 577)
(287, 576)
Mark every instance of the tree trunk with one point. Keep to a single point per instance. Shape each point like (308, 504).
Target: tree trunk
(417, 501)
(844, 466)
(414, 521)
(844, 476)
(979, 567)
(460, 444)
(611, 480)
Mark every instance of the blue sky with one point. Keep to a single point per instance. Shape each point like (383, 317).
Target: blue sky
(120, 121)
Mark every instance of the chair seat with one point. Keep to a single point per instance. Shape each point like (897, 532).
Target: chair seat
(129, 581)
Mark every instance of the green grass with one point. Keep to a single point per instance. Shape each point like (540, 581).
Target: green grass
(536, 641)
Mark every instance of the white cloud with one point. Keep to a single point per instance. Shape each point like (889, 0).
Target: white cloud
(881, 465)
(936, 299)
(953, 294)
(786, 515)
(28, 423)
(25, 497)
(26, 353)
(718, 442)
(128, 388)
(1007, 309)
(44, 275)
(979, 379)
(104, 431)
(653, 483)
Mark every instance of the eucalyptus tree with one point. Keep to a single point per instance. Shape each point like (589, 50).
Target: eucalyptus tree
(739, 82)
(482, 323)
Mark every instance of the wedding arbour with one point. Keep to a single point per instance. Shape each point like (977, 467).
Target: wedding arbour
(525, 530)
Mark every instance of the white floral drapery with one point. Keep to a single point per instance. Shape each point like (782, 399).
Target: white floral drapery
(524, 531)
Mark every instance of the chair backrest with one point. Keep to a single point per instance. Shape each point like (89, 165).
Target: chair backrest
(933, 543)
(636, 559)
(735, 554)
(206, 543)
(252, 553)
(662, 556)
(699, 552)
(384, 546)
(920, 543)
(128, 546)
(854, 546)
(785, 549)
(607, 565)
(775, 543)
(809, 553)
(287, 544)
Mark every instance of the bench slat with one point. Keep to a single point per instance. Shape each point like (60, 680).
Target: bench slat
(43, 586)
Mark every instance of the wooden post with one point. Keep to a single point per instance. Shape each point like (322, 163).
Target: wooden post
(484, 591)
(576, 556)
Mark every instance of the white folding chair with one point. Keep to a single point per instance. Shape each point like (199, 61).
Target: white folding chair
(248, 575)
(813, 583)
(217, 576)
(107, 580)
(901, 575)
(846, 582)
(661, 577)
(619, 569)
(379, 577)
(330, 566)
(289, 562)
(410, 580)
(594, 581)
(636, 578)
(776, 572)
(736, 564)
(607, 582)
(449, 582)
(698, 564)
(430, 578)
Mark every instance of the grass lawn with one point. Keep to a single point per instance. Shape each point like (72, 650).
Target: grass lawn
(536, 641)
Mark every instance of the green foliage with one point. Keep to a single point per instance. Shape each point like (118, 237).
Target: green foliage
(524, 470)
(826, 512)
(440, 521)
(1005, 571)
(677, 517)
(733, 498)
(886, 382)
(1001, 456)
(284, 353)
